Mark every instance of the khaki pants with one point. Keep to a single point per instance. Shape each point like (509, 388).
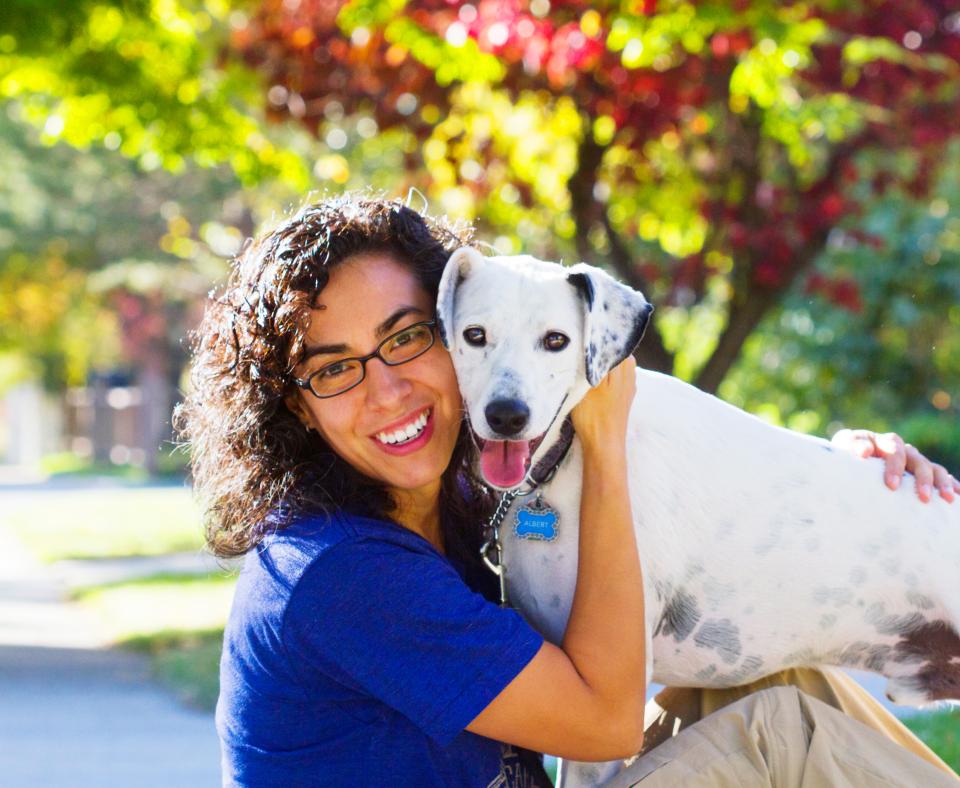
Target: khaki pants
(801, 728)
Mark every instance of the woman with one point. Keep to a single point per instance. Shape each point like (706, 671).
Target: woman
(326, 432)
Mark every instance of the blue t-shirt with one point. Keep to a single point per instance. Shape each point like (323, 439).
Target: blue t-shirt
(355, 655)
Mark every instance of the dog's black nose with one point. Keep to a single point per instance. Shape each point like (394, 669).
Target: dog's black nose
(507, 416)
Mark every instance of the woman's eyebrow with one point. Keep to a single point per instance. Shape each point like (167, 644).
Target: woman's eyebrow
(381, 331)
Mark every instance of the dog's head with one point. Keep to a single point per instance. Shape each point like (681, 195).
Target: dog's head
(528, 339)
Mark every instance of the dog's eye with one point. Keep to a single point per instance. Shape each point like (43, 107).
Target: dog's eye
(476, 336)
(555, 341)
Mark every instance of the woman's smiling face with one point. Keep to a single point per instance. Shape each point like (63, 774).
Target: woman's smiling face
(367, 298)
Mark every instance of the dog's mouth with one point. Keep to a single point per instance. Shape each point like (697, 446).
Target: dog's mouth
(504, 464)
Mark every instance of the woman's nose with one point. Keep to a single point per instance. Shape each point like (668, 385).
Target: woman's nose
(386, 385)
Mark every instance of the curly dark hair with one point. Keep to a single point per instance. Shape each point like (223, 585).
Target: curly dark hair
(255, 466)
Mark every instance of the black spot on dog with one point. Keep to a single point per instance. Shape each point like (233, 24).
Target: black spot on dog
(890, 565)
(638, 329)
(838, 597)
(694, 570)
(921, 601)
(827, 448)
(869, 656)
(442, 329)
(722, 636)
(877, 657)
(858, 575)
(855, 655)
(706, 673)
(804, 656)
(748, 670)
(680, 615)
(660, 589)
(584, 286)
(937, 645)
(890, 623)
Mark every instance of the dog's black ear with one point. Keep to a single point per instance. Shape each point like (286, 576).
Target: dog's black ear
(584, 287)
(615, 317)
(457, 269)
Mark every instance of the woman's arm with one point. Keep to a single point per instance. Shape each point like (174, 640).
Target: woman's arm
(585, 699)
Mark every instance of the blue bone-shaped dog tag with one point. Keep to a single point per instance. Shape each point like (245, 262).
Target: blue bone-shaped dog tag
(539, 522)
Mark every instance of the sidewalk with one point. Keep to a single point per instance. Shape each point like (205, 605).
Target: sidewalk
(72, 712)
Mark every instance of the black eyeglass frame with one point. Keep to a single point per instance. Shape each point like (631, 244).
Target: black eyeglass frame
(304, 383)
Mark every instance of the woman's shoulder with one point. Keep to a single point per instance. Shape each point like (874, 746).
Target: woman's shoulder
(287, 554)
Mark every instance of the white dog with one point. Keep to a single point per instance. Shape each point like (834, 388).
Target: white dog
(762, 548)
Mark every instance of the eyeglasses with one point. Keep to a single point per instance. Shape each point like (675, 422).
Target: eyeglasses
(399, 348)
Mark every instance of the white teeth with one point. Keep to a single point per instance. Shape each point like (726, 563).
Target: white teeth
(412, 430)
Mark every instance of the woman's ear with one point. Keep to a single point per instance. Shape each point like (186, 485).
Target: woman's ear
(296, 405)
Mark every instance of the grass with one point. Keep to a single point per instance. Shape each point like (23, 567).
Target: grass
(68, 465)
(160, 604)
(187, 662)
(175, 619)
(940, 731)
(112, 522)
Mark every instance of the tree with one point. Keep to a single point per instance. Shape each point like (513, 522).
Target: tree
(101, 263)
(142, 77)
(705, 152)
(104, 268)
(887, 354)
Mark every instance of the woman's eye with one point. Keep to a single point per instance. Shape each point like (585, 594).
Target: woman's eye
(475, 336)
(332, 370)
(555, 341)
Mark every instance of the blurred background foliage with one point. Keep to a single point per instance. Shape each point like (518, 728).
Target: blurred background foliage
(781, 179)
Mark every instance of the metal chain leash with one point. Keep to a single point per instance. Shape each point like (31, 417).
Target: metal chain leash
(493, 542)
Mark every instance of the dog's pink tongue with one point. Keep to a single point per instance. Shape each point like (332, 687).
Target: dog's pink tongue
(504, 463)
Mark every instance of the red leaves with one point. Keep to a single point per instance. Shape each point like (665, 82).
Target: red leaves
(775, 228)
(728, 44)
(832, 208)
(843, 292)
(775, 255)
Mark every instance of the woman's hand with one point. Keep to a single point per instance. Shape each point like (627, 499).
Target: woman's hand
(900, 457)
(600, 418)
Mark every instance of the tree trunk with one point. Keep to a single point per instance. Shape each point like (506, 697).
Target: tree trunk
(650, 353)
(744, 318)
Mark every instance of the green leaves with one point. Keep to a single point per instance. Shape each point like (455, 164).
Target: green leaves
(460, 62)
(141, 78)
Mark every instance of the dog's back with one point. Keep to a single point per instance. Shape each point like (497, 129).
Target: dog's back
(786, 551)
